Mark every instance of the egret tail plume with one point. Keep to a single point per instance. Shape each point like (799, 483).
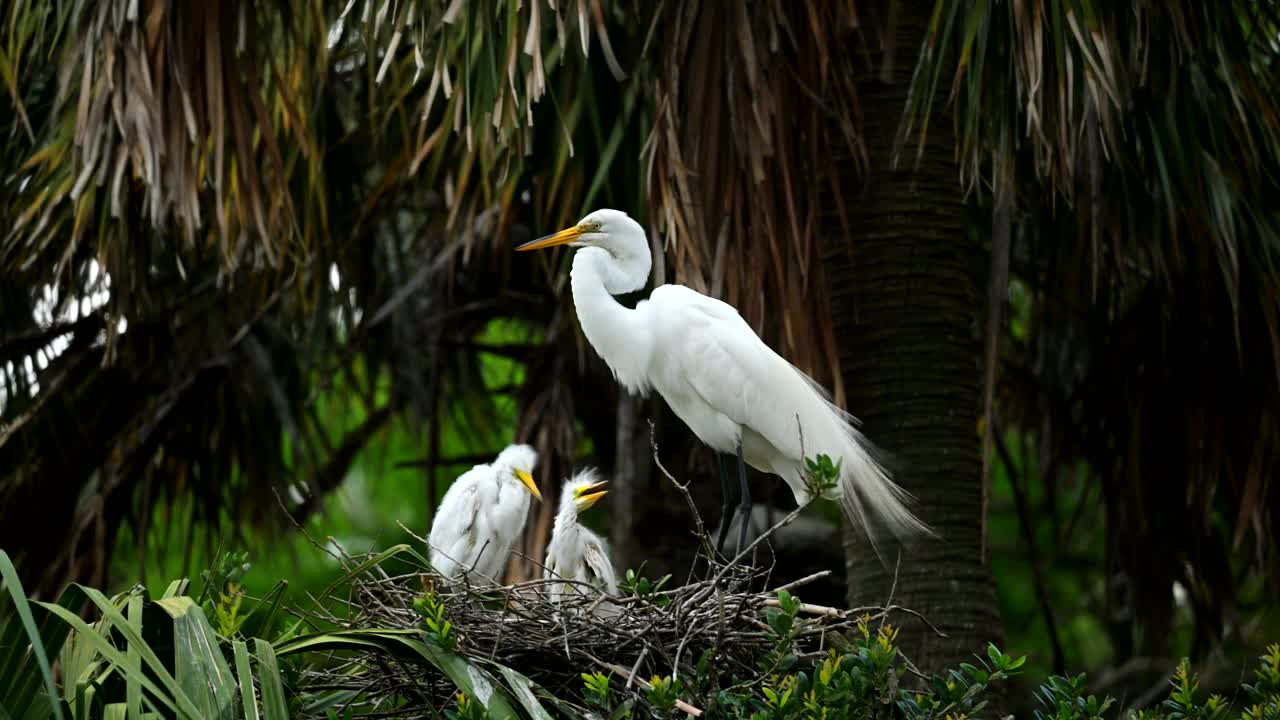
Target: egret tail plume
(868, 496)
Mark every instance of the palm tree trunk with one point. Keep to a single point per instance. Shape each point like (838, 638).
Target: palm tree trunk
(905, 308)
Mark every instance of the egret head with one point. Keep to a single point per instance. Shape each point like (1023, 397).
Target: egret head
(516, 463)
(583, 490)
(612, 230)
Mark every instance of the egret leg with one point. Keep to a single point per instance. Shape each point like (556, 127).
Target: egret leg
(726, 504)
(745, 508)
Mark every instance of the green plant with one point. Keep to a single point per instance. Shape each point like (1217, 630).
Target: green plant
(640, 586)
(664, 692)
(782, 623)
(821, 474)
(467, 709)
(431, 608)
(1264, 692)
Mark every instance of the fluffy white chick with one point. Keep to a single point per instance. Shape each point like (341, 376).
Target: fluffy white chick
(482, 515)
(575, 552)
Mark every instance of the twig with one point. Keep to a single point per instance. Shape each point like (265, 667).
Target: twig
(701, 531)
(636, 668)
(811, 609)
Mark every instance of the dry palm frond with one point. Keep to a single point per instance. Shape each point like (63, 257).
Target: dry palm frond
(1180, 434)
(1153, 348)
(1170, 107)
(751, 105)
(222, 166)
(174, 120)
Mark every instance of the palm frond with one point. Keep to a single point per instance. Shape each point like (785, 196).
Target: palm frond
(279, 204)
(747, 120)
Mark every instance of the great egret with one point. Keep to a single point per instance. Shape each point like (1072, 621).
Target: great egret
(576, 553)
(735, 393)
(482, 514)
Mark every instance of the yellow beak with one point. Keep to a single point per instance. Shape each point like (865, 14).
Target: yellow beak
(591, 495)
(563, 237)
(527, 479)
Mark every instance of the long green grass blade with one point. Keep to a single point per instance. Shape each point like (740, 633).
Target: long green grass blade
(258, 620)
(522, 689)
(23, 608)
(470, 679)
(133, 690)
(24, 685)
(176, 588)
(174, 699)
(40, 708)
(246, 679)
(274, 706)
(75, 660)
(245, 674)
(200, 668)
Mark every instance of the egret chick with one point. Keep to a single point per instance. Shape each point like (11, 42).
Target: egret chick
(482, 514)
(575, 552)
(730, 388)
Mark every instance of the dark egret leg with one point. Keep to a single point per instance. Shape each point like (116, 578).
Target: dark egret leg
(745, 508)
(726, 504)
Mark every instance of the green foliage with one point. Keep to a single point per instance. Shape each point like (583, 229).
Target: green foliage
(1264, 692)
(467, 709)
(782, 623)
(821, 474)
(640, 586)
(22, 674)
(161, 656)
(1062, 698)
(664, 692)
(431, 608)
(863, 679)
(596, 693)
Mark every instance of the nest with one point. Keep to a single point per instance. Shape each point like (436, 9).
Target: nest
(532, 628)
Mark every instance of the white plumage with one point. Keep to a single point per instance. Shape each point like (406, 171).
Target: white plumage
(575, 552)
(482, 514)
(732, 390)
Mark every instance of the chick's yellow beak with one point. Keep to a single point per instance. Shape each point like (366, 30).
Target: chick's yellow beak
(527, 479)
(563, 237)
(591, 494)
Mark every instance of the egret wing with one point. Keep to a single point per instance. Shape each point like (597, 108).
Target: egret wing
(724, 362)
(599, 568)
(453, 531)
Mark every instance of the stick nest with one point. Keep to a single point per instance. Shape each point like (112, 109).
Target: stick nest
(719, 614)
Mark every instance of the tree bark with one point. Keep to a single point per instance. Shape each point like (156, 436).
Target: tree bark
(905, 308)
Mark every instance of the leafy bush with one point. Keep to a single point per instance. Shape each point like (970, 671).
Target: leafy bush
(162, 656)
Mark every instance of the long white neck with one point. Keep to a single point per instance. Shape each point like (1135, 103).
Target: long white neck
(566, 516)
(616, 332)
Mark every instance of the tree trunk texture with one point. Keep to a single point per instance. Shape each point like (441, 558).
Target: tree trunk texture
(905, 308)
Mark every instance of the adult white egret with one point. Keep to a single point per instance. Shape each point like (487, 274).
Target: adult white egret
(575, 552)
(482, 514)
(718, 376)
